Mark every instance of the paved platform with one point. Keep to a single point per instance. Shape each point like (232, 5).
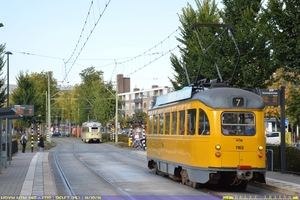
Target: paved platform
(29, 174)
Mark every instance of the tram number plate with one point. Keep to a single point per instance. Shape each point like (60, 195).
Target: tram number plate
(239, 147)
(238, 101)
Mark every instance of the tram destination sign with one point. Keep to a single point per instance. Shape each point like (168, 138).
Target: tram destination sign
(271, 97)
(24, 110)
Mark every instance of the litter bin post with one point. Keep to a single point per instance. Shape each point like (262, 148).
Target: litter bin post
(269, 159)
(3, 155)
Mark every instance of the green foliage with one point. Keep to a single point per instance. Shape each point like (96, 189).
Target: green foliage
(250, 36)
(31, 90)
(292, 164)
(3, 96)
(97, 99)
(24, 94)
(191, 55)
(292, 103)
(282, 17)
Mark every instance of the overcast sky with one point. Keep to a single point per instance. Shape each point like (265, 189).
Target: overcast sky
(133, 38)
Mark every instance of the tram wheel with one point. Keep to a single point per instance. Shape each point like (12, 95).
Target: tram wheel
(195, 185)
(243, 185)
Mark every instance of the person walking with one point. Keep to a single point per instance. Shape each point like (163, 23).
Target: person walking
(23, 142)
(41, 143)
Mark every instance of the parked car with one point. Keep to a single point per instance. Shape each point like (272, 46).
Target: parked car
(273, 138)
(56, 134)
(65, 134)
(125, 131)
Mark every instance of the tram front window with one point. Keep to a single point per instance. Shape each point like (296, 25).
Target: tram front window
(238, 123)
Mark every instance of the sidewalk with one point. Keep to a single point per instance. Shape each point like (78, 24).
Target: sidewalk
(28, 174)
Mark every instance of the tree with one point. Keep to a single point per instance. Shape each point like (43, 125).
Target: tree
(253, 42)
(24, 94)
(190, 51)
(3, 95)
(96, 99)
(282, 18)
(31, 90)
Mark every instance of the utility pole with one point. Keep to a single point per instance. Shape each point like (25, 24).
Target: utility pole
(49, 111)
(116, 121)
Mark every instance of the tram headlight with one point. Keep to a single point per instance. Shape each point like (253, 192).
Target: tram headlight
(260, 147)
(218, 147)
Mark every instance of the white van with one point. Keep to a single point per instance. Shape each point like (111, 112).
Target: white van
(273, 138)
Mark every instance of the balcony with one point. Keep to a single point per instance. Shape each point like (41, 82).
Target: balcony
(136, 110)
(138, 100)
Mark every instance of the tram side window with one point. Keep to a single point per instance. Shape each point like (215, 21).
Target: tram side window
(161, 123)
(167, 132)
(150, 124)
(204, 126)
(191, 122)
(174, 123)
(182, 127)
(238, 123)
(155, 122)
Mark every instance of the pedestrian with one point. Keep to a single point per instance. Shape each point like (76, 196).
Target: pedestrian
(41, 143)
(23, 141)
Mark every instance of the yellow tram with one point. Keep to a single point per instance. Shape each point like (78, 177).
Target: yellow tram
(208, 136)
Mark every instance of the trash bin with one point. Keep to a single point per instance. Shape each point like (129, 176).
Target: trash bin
(4, 154)
(269, 157)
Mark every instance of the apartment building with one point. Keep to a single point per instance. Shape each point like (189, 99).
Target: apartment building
(137, 100)
(140, 100)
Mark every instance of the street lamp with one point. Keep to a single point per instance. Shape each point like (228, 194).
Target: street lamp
(8, 53)
(7, 120)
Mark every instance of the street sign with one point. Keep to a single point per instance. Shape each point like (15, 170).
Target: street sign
(24, 110)
(270, 97)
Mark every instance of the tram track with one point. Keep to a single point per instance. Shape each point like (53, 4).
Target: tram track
(71, 190)
(128, 157)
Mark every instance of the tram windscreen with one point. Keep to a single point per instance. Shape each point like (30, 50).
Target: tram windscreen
(94, 129)
(238, 123)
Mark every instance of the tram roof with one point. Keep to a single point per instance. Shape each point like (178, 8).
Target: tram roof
(222, 98)
(91, 123)
(215, 98)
